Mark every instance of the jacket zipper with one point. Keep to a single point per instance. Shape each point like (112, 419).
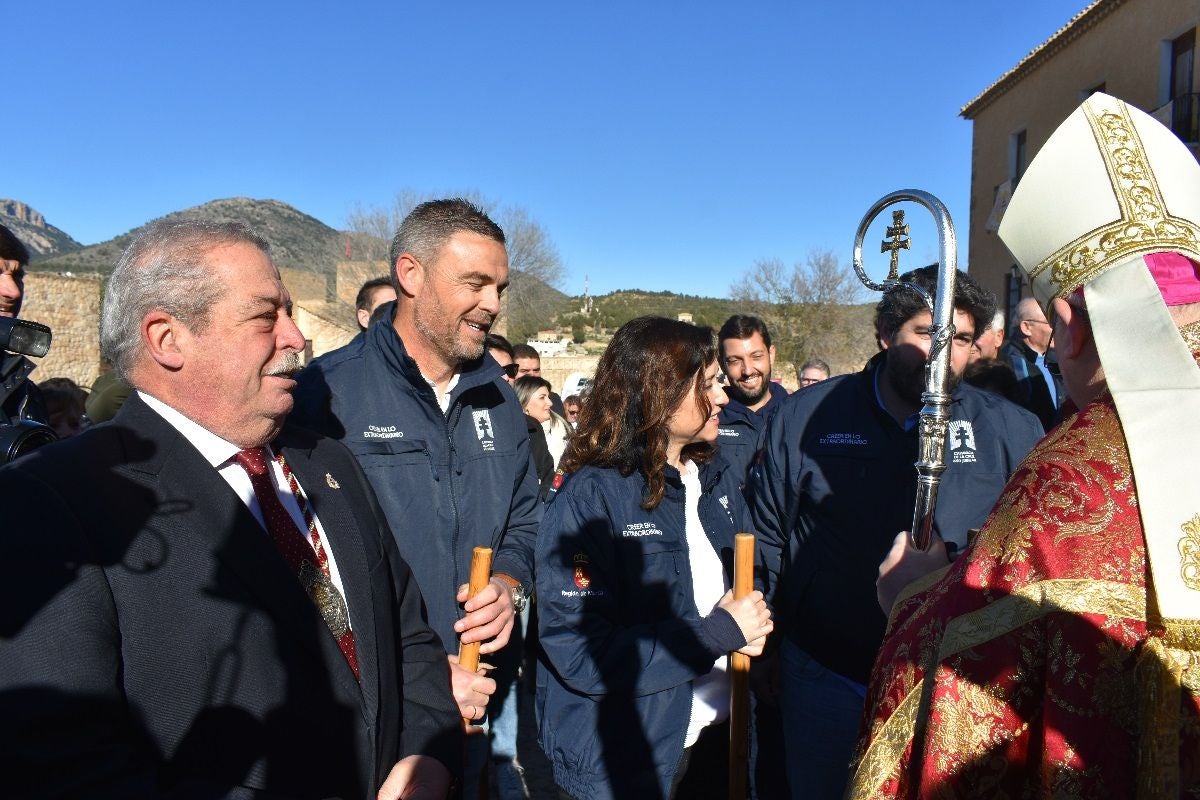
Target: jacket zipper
(691, 598)
(457, 411)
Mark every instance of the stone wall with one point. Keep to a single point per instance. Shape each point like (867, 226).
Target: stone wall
(557, 369)
(327, 326)
(351, 275)
(70, 305)
(303, 285)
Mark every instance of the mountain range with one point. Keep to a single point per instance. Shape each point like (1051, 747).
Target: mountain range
(43, 239)
(302, 242)
(298, 240)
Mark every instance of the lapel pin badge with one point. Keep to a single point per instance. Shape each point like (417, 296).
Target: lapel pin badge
(333, 484)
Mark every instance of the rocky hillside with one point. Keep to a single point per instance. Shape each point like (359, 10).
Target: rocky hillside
(43, 239)
(298, 240)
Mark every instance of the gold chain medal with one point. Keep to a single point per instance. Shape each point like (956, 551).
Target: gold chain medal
(326, 597)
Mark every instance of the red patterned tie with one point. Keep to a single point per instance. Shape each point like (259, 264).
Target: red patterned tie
(309, 563)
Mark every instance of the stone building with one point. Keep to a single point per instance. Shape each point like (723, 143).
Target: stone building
(1142, 51)
(558, 368)
(351, 275)
(70, 305)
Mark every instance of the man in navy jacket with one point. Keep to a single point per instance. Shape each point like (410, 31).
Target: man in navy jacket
(834, 486)
(438, 432)
(747, 358)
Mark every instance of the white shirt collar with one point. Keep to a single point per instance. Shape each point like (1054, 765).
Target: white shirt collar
(215, 450)
(443, 399)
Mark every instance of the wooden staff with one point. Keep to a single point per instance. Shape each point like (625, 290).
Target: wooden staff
(739, 677)
(481, 573)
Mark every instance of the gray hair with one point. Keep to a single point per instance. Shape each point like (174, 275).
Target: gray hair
(1027, 309)
(429, 225)
(816, 363)
(165, 268)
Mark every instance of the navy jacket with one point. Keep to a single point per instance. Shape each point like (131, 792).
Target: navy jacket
(1031, 383)
(447, 483)
(836, 483)
(741, 430)
(621, 636)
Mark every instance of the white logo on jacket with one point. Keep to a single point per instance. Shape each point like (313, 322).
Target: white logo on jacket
(839, 439)
(724, 501)
(961, 435)
(382, 432)
(483, 428)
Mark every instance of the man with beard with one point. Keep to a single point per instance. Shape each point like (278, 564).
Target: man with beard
(747, 358)
(438, 432)
(834, 484)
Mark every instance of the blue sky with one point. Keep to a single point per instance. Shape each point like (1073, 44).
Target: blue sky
(662, 145)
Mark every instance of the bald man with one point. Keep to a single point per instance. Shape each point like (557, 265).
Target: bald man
(1028, 350)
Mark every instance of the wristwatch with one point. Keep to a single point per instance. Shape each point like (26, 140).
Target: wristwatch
(520, 599)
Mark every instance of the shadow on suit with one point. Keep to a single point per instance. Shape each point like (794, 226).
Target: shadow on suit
(153, 641)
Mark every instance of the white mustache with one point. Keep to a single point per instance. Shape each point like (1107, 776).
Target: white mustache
(289, 364)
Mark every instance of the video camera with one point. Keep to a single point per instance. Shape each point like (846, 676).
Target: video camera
(23, 338)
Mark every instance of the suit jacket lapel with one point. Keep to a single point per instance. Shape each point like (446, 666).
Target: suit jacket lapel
(331, 506)
(208, 507)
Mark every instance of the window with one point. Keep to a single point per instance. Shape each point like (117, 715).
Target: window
(1086, 93)
(1184, 106)
(1018, 157)
(1183, 62)
(1015, 282)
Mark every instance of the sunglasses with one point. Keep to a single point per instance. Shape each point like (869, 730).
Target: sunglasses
(510, 370)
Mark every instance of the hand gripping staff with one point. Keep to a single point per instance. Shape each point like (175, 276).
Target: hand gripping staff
(935, 414)
(481, 573)
(739, 676)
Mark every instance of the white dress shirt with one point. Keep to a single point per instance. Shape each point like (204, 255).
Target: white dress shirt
(220, 454)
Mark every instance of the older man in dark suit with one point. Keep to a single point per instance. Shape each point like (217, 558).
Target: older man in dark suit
(200, 601)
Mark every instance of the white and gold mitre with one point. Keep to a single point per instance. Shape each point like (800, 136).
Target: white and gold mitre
(1110, 185)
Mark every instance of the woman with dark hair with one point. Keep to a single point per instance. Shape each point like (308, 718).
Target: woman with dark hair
(636, 619)
(533, 393)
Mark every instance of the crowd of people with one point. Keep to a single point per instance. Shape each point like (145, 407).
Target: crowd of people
(253, 580)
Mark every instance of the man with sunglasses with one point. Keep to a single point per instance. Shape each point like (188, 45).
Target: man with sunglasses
(1030, 351)
(500, 349)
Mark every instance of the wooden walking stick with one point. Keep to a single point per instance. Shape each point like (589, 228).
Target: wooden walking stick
(468, 654)
(481, 573)
(739, 676)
